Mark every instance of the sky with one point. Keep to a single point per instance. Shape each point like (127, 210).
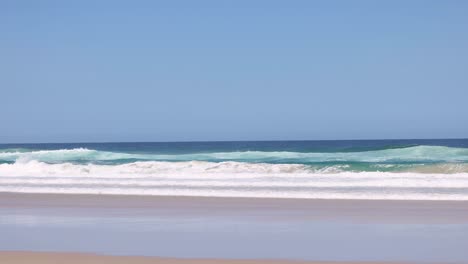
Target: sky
(101, 71)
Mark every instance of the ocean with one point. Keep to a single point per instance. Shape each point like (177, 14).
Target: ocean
(344, 169)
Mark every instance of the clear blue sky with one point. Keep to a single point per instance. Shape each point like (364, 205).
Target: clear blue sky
(85, 70)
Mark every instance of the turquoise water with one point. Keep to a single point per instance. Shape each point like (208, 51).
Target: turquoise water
(359, 155)
(365, 169)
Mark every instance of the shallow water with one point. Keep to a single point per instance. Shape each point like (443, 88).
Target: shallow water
(226, 235)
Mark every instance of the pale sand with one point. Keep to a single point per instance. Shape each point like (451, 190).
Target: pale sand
(25, 257)
(387, 211)
(270, 209)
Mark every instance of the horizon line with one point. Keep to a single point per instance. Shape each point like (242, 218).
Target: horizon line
(214, 141)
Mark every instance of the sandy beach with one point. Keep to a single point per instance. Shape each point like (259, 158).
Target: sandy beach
(364, 211)
(75, 258)
(234, 132)
(96, 228)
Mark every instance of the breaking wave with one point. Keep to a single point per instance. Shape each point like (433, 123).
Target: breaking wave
(412, 172)
(408, 154)
(231, 179)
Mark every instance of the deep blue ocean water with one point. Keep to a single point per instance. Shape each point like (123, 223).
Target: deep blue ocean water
(231, 146)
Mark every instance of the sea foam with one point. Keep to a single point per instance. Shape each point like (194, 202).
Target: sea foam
(236, 179)
(412, 172)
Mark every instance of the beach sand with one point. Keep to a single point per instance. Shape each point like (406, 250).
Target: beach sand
(351, 227)
(363, 211)
(18, 257)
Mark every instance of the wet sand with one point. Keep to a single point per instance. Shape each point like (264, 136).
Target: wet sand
(228, 230)
(362, 211)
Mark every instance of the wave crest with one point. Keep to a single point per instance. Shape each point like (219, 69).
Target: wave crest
(408, 154)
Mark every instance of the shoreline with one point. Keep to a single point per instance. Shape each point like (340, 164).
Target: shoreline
(385, 211)
(195, 230)
(34, 257)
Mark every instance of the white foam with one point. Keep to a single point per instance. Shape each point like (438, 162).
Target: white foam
(416, 153)
(236, 179)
